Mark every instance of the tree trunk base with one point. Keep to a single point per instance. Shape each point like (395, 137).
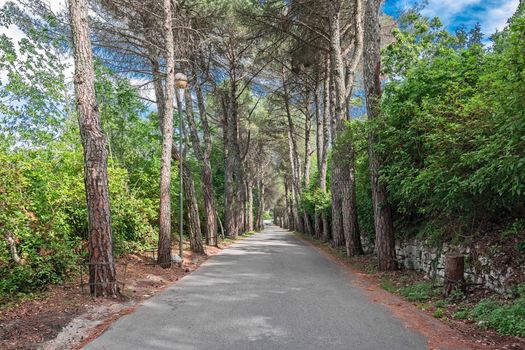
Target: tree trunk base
(454, 274)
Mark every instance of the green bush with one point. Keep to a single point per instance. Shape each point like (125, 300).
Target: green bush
(452, 126)
(43, 201)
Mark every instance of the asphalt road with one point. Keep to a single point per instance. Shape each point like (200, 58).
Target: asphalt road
(269, 291)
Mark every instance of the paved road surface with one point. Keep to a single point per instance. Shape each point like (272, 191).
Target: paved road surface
(269, 291)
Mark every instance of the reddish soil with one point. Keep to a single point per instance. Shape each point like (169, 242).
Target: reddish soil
(454, 334)
(76, 318)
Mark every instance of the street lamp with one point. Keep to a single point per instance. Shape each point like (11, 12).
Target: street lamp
(181, 81)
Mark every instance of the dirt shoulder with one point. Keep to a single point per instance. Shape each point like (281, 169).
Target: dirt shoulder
(64, 317)
(443, 332)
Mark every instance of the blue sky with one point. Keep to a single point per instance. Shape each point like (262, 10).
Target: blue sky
(491, 14)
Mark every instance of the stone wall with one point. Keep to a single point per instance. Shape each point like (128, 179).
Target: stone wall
(479, 268)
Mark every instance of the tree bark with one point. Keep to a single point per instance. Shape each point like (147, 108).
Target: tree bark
(259, 221)
(294, 158)
(164, 257)
(249, 209)
(384, 227)
(192, 206)
(454, 274)
(326, 141)
(338, 235)
(344, 212)
(102, 274)
(203, 152)
(289, 207)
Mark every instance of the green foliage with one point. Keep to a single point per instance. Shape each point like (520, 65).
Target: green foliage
(439, 313)
(33, 97)
(42, 198)
(461, 314)
(452, 128)
(358, 132)
(267, 215)
(505, 318)
(314, 201)
(418, 292)
(387, 285)
(38, 202)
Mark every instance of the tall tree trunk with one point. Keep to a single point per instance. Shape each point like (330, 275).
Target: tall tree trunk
(289, 206)
(294, 158)
(307, 160)
(326, 141)
(229, 165)
(102, 274)
(192, 206)
(259, 221)
(372, 69)
(241, 202)
(209, 203)
(203, 153)
(338, 235)
(249, 209)
(234, 211)
(164, 248)
(318, 221)
(344, 212)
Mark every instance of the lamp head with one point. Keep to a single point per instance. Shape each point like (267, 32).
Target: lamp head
(181, 81)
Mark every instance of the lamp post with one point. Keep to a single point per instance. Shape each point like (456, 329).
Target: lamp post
(181, 81)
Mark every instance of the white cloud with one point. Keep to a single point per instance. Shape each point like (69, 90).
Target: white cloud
(496, 18)
(491, 14)
(447, 9)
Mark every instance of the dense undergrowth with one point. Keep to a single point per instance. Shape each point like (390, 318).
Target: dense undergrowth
(507, 316)
(451, 134)
(42, 198)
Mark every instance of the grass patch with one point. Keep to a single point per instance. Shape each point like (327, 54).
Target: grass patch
(387, 285)
(506, 318)
(461, 315)
(439, 313)
(249, 233)
(422, 291)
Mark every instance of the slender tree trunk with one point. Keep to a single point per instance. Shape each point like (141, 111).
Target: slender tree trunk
(164, 247)
(192, 206)
(372, 69)
(289, 207)
(203, 152)
(102, 274)
(307, 161)
(318, 221)
(294, 159)
(234, 211)
(323, 168)
(241, 202)
(192, 209)
(338, 236)
(209, 203)
(338, 74)
(250, 208)
(345, 212)
(229, 197)
(229, 165)
(326, 141)
(259, 224)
